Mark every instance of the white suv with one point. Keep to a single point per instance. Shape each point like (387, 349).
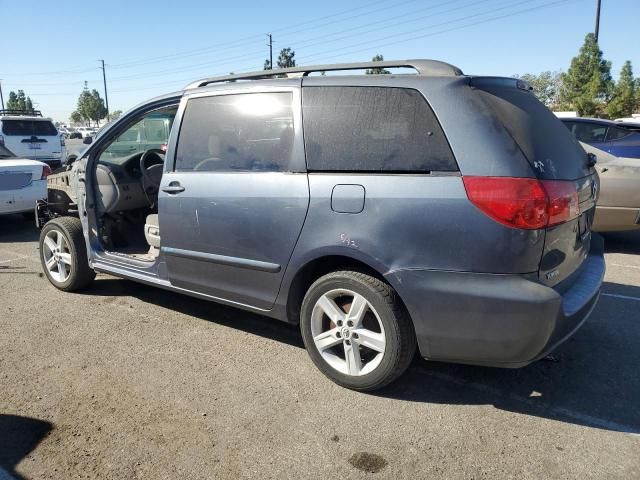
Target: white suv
(32, 136)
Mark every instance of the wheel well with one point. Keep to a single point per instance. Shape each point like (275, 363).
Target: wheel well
(316, 269)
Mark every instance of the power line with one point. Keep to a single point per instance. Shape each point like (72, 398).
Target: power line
(377, 45)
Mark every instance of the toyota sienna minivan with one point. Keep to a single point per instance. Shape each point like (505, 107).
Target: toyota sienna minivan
(436, 211)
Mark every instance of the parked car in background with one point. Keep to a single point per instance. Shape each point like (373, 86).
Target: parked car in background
(75, 135)
(22, 183)
(32, 136)
(393, 220)
(85, 131)
(621, 139)
(618, 207)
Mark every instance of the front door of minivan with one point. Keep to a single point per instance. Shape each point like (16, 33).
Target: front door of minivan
(233, 201)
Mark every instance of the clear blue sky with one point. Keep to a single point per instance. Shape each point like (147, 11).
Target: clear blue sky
(155, 46)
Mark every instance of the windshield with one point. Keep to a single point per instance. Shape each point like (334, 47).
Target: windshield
(5, 152)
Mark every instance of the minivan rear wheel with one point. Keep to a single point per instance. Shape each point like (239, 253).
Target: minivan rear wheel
(63, 254)
(356, 330)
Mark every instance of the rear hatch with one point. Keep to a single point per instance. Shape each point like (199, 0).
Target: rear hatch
(559, 162)
(34, 138)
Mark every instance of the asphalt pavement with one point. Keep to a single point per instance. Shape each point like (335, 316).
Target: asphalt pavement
(128, 381)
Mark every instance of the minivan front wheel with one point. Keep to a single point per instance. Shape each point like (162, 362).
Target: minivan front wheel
(356, 330)
(63, 254)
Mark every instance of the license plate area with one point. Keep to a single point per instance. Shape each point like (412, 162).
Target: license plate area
(35, 146)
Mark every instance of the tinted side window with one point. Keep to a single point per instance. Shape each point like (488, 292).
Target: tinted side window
(372, 129)
(590, 132)
(244, 132)
(616, 133)
(28, 128)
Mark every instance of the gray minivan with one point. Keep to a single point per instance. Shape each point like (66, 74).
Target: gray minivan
(382, 213)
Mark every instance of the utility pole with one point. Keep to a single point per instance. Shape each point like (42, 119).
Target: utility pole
(270, 45)
(597, 19)
(106, 97)
(1, 97)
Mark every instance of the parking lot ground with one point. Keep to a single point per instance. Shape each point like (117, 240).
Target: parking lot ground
(128, 381)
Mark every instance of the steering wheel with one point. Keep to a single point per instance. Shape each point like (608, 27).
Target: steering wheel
(150, 185)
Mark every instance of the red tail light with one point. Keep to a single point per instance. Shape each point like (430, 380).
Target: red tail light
(525, 203)
(46, 171)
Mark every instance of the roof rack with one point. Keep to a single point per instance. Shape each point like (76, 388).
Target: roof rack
(433, 68)
(21, 113)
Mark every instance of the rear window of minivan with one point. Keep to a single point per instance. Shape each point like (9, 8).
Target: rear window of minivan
(372, 129)
(549, 147)
(29, 127)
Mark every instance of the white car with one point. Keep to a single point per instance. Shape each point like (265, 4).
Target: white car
(86, 131)
(22, 183)
(32, 137)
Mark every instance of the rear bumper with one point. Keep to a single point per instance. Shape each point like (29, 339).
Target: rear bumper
(496, 320)
(23, 199)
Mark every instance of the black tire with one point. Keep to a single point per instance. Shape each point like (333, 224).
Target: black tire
(80, 274)
(400, 340)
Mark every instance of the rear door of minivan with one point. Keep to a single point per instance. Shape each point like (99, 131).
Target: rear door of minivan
(559, 162)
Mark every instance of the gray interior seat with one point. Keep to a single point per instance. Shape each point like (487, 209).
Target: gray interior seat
(152, 230)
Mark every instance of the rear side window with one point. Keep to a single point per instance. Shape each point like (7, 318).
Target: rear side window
(235, 133)
(372, 129)
(589, 132)
(29, 127)
(616, 133)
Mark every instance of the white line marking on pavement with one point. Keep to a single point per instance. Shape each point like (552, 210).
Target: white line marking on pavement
(624, 266)
(624, 297)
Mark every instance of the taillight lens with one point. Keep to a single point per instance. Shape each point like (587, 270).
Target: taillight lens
(525, 203)
(46, 171)
(62, 140)
(563, 201)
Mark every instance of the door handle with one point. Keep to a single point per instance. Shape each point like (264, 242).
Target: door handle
(173, 188)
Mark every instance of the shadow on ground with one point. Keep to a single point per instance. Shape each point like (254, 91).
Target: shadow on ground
(622, 242)
(18, 437)
(591, 380)
(17, 228)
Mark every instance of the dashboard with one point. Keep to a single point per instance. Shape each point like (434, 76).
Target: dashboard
(119, 183)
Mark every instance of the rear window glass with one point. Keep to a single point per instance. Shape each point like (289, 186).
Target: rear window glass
(549, 147)
(372, 129)
(28, 128)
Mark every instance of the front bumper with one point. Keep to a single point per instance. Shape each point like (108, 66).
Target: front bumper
(497, 320)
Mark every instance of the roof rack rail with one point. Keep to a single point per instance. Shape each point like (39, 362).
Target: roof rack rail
(423, 67)
(19, 113)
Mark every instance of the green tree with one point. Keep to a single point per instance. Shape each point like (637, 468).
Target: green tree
(91, 106)
(75, 117)
(587, 85)
(115, 114)
(377, 71)
(267, 64)
(286, 58)
(546, 86)
(623, 100)
(19, 101)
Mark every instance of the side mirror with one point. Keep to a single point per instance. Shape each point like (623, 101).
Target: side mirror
(87, 140)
